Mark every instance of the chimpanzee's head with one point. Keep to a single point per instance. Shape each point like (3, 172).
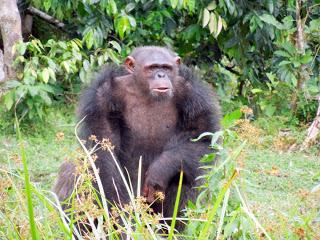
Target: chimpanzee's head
(154, 69)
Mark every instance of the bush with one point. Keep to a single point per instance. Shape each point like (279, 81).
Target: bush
(50, 72)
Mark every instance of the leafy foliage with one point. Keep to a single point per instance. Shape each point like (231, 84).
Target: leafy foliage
(51, 71)
(249, 50)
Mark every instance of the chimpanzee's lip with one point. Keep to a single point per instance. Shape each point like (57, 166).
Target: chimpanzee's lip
(161, 89)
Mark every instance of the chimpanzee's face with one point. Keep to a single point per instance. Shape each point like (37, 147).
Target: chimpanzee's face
(155, 71)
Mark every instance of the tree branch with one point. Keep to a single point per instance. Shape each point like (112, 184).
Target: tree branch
(46, 17)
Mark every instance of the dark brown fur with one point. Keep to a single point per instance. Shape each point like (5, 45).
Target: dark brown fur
(119, 106)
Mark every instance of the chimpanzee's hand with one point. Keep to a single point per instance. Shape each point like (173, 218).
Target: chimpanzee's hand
(154, 182)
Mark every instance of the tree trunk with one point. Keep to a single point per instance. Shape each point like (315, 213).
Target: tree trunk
(303, 74)
(10, 26)
(2, 75)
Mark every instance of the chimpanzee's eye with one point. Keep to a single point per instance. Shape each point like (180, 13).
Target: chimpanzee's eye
(167, 68)
(152, 68)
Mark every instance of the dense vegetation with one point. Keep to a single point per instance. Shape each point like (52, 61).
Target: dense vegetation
(263, 59)
(264, 54)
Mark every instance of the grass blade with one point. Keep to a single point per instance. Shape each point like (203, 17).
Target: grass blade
(223, 212)
(205, 232)
(32, 223)
(250, 214)
(176, 207)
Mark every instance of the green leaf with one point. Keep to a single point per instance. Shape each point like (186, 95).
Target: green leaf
(296, 64)
(29, 79)
(52, 74)
(130, 7)
(230, 118)
(63, 45)
(47, 5)
(122, 25)
(267, 18)
(45, 75)
(271, 76)
(74, 45)
(132, 21)
(174, 3)
(289, 47)
(112, 8)
(20, 59)
(86, 65)
(213, 23)
(51, 64)
(97, 37)
(100, 60)
(231, 6)
(12, 84)
(206, 17)
(88, 37)
(293, 79)
(21, 48)
(45, 97)
(33, 91)
(113, 56)
(191, 5)
(282, 63)
(202, 135)
(8, 99)
(82, 75)
(270, 6)
(288, 22)
(253, 24)
(314, 25)
(116, 45)
(224, 24)
(66, 66)
(256, 90)
(282, 53)
(270, 110)
(212, 6)
(36, 45)
(46, 88)
(306, 59)
(219, 27)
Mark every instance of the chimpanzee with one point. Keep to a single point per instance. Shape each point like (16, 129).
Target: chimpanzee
(151, 108)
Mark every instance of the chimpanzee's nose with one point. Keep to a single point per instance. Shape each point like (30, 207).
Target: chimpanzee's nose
(160, 75)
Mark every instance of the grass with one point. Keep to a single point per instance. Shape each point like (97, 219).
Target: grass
(47, 145)
(275, 186)
(279, 190)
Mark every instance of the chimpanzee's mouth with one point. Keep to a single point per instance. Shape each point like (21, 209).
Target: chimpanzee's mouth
(161, 89)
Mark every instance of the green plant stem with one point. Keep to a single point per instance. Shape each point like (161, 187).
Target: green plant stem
(32, 223)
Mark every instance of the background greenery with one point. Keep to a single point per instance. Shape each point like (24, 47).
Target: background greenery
(249, 50)
(251, 53)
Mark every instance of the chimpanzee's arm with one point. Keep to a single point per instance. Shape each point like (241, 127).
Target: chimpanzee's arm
(102, 110)
(185, 155)
(101, 114)
(199, 113)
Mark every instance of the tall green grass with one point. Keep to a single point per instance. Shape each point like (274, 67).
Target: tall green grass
(216, 210)
(33, 228)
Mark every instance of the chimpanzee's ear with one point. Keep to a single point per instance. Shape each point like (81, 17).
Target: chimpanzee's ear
(129, 62)
(178, 60)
